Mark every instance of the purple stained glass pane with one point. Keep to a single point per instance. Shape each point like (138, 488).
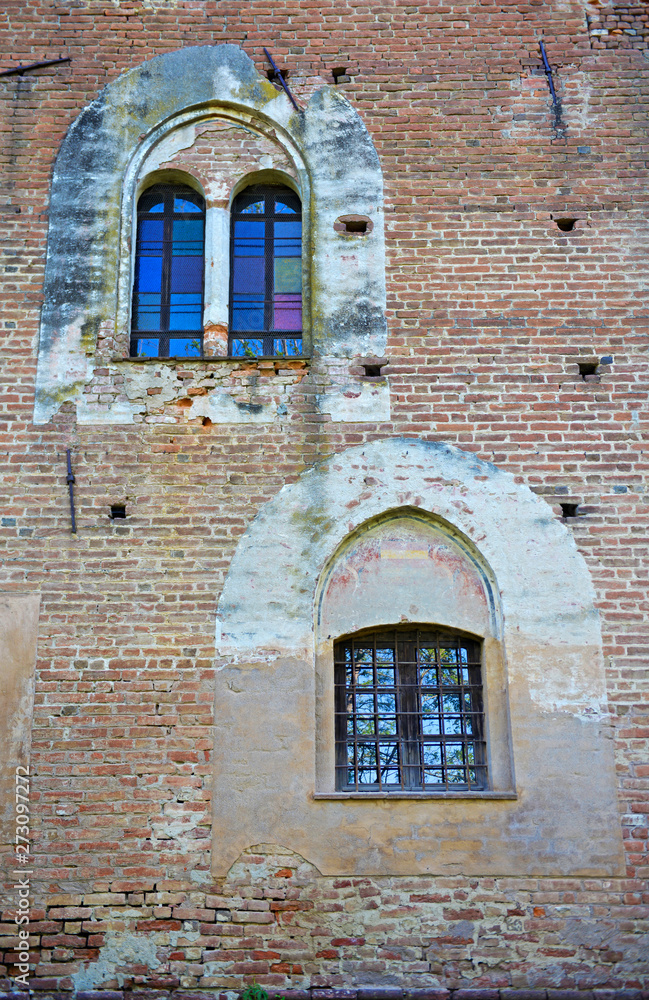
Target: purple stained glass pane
(288, 312)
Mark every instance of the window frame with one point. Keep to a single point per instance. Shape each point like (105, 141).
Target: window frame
(268, 336)
(169, 191)
(408, 740)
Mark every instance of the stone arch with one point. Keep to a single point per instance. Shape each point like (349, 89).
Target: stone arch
(274, 780)
(87, 273)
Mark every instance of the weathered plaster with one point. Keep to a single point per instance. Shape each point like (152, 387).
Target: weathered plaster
(151, 116)
(18, 634)
(542, 655)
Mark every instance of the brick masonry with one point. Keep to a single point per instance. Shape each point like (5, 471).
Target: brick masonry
(491, 310)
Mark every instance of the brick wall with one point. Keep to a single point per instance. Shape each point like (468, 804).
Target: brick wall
(491, 308)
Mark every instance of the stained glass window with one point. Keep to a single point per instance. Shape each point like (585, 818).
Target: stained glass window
(409, 715)
(167, 319)
(266, 273)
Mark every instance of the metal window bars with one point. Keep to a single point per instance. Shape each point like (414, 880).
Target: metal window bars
(409, 712)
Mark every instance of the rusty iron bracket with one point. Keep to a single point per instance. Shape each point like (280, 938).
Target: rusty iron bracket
(70, 480)
(282, 81)
(36, 65)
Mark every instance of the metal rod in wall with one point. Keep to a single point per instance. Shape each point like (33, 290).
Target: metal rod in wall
(36, 65)
(70, 480)
(281, 79)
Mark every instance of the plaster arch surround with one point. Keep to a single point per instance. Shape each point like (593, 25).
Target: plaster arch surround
(138, 121)
(551, 808)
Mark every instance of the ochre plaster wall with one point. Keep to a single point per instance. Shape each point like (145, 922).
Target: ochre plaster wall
(18, 636)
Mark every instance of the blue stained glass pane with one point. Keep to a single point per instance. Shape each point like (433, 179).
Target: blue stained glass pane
(150, 234)
(148, 348)
(148, 274)
(157, 208)
(247, 348)
(146, 312)
(255, 208)
(188, 205)
(248, 312)
(288, 239)
(187, 274)
(185, 312)
(187, 237)
(184, 348)
(248, 275)
(249, 238)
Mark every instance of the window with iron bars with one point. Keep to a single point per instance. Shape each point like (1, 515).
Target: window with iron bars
(409, 711)
(167, 316)
(266, 273)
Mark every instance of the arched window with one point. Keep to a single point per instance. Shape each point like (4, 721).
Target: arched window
(266, 273)
(409, 711)
(167, 318)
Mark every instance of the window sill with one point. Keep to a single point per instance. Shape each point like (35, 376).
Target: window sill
(460, 794)
(212, 359)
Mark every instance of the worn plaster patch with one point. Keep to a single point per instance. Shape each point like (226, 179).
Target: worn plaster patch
(121, 951)
(361, 402)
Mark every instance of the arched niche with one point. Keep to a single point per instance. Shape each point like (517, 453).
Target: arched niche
(405, 566)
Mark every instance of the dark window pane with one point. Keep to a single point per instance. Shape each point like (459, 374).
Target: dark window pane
(146, 315)
(249, 238)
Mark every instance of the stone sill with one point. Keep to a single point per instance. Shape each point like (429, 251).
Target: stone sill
(427, 796)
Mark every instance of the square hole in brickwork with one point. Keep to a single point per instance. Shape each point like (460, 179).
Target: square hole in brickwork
(569, 509)
(118, 511)
(588, 369)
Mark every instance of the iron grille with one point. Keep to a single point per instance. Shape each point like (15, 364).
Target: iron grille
(409, 712)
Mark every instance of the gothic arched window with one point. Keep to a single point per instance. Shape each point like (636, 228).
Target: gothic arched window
(266, 273)
(167, 317)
